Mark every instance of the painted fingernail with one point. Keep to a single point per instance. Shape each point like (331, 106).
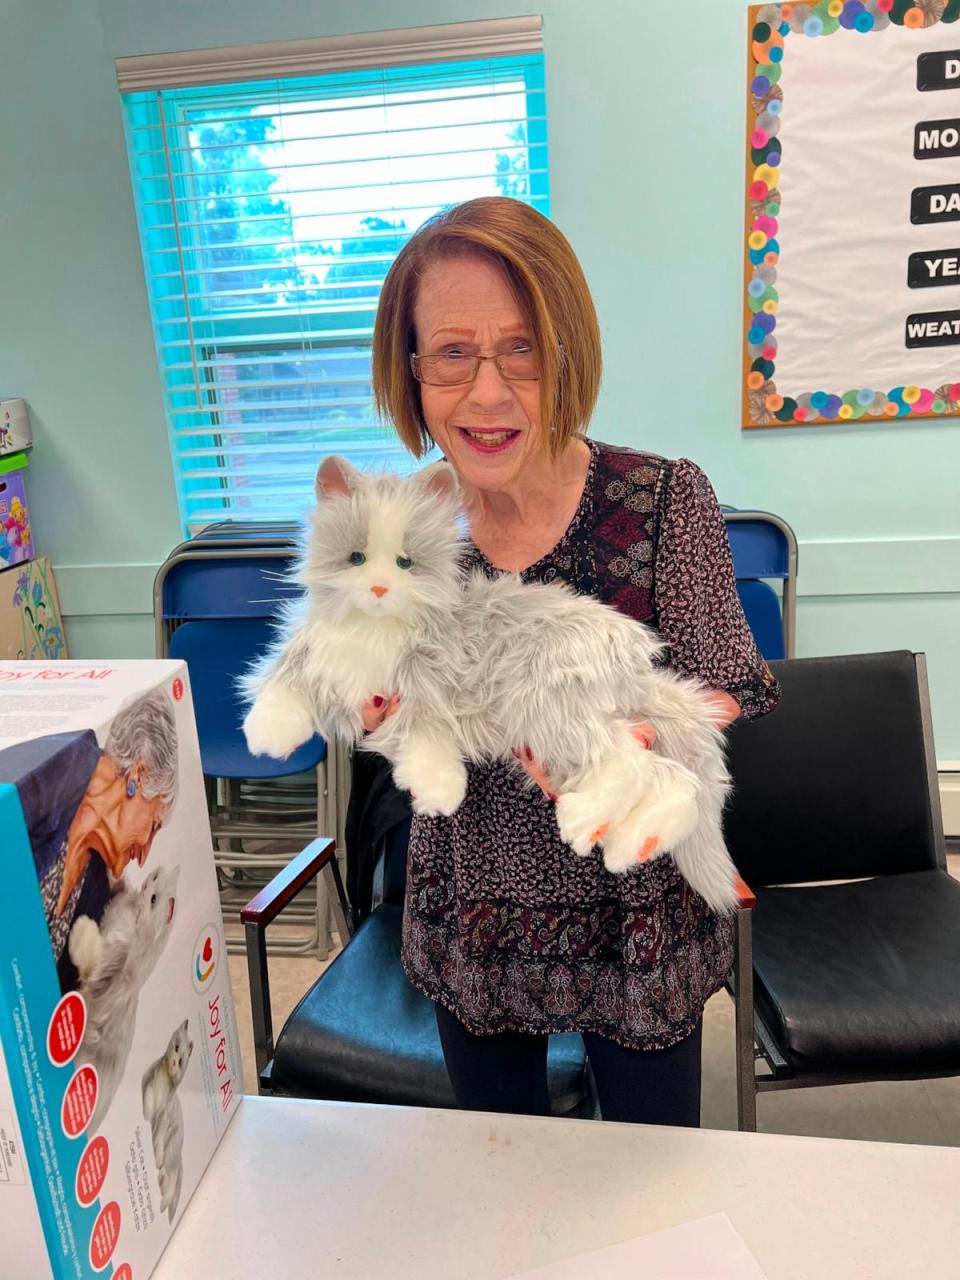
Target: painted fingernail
(528, 753)
(552, 795)
(515, 752)
(377, 700)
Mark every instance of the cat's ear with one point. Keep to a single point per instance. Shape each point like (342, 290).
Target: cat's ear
(439, 479)
(336, 478)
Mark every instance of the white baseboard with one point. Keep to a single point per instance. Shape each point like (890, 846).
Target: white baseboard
(949, 774)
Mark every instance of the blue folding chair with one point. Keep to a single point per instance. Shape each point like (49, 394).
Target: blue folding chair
(764, 549)
(217, 651)
(215, 603)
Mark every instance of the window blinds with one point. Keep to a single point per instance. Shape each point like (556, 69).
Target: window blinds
(269, 214)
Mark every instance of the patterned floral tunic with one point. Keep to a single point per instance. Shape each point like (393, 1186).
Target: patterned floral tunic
(503, 923)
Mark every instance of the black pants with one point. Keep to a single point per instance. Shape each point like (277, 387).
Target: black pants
(508, 1073)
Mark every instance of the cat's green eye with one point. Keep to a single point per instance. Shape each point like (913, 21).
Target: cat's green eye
(404, 562)
(357, 557)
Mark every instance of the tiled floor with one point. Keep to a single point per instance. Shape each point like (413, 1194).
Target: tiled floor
(926, 1111)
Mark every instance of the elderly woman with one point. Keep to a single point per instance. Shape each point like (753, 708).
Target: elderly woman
(487, 344)
(91, 812)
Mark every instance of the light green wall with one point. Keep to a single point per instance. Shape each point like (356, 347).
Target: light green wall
(646, 121)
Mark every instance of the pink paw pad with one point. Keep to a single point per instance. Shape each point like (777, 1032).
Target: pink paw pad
(649, 848)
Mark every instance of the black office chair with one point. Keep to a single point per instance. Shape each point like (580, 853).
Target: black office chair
(362, 1033)
(854, 980)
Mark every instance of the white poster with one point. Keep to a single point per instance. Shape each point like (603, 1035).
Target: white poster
(852, 272)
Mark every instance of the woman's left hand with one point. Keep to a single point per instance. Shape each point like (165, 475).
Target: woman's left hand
(727, 708)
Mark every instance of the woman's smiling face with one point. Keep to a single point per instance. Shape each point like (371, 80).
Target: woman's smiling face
(490, 428)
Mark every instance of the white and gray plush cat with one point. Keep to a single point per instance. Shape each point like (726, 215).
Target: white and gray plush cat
(484, 665)
(162, 1111)
(114, 959)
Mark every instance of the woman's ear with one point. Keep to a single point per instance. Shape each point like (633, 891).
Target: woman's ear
(336, 478)
(440, 479)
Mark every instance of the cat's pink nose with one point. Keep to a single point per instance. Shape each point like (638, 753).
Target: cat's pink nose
(379, 591)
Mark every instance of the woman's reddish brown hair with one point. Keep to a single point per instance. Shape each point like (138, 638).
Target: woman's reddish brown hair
(550, 287)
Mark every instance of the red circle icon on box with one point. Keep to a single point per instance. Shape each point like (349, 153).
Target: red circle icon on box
(92, 1171)
(123, 1273)
(66, 1029)
(103, 1237)
(177, 689)
(79, 1101)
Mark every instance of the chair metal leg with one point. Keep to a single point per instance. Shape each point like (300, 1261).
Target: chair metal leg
(324, 791)
(743, 1006)
(259, 996)
(332, 906)
(338, 901)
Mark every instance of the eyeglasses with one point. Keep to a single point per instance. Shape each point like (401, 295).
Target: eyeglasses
(451, 368)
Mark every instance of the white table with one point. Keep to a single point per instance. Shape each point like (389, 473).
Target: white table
(316, 1189)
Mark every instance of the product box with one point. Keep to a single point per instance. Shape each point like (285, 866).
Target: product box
(15, 432)
(120, 1065)
(16, 539)
(31, 625)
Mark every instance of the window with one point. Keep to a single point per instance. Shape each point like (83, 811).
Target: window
(269, 213)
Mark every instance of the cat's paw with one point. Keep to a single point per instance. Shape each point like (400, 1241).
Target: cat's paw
(581, 820)
(276, 725)
(437, 791)
(654, 826)
(83, 945)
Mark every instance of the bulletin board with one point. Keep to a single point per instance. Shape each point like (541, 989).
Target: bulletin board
(852, 234)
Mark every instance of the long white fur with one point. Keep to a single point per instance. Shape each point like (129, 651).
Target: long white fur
(114, 960)
(483, 665)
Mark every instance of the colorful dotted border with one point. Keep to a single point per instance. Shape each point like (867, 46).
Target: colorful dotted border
(771, 25)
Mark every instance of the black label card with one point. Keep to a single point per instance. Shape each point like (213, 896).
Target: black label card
(939, 70)
(935, 204)
(933, 329)
(934, 139)
(933, 268)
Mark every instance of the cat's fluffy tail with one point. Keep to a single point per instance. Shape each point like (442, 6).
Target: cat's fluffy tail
(703, 861)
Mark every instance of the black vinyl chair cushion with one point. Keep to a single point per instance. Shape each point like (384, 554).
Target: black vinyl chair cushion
(860, 977)
(362, 1033)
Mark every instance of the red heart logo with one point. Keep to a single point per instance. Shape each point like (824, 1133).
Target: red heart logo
(208, 950)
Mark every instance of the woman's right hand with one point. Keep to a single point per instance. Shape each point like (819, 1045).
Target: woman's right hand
(644, 733)
(377, 709)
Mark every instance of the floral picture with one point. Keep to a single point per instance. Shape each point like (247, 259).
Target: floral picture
(29, 606)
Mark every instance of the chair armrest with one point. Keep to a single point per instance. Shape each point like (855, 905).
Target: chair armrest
(319, 855)
(288, 882)
(746, 898)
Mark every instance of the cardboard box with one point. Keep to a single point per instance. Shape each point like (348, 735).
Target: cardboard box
(15, 430)
(31, 625)
(120, 1065)
(16, 538)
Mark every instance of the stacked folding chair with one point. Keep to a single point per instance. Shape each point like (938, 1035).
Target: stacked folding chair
(764, 549)
(216, 599)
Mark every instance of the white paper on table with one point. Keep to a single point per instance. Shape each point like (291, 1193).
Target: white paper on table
(708, 1248)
